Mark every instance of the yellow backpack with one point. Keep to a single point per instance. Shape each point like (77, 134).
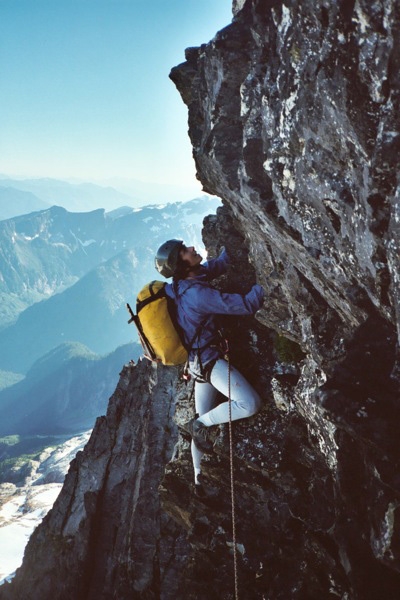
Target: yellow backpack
(159, 332)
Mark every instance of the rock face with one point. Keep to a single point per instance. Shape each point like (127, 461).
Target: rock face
(105, 536)
(294, 121)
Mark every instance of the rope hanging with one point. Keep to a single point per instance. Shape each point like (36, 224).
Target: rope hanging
(232, 482)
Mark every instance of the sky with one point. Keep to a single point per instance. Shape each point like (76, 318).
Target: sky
(85, 92)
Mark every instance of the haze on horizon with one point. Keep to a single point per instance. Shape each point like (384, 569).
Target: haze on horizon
(85, 90)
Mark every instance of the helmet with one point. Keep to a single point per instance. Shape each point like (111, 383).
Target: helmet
(166, 260)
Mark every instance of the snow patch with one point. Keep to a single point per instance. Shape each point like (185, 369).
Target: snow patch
(23, 508)
(29, 238)
(19, 516)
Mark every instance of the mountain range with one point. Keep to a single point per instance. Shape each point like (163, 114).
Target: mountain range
(92, 312)
(15, 202)
(64, 281)
(80, 197)
(83, 196)
(45, 252)
(64, 391)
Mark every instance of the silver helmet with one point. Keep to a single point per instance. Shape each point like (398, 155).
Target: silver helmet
(166, 260)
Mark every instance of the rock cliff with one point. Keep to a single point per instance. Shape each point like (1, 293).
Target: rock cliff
(294, 122)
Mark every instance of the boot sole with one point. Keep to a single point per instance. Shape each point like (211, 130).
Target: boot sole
(207, 449)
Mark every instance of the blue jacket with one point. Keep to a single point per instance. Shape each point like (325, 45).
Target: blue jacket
(199, 303)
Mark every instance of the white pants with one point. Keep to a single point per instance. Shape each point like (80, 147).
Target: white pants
(245, 401)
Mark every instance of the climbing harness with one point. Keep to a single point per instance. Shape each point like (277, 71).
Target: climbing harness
(232, 474)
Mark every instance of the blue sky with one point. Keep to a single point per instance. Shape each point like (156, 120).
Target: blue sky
(85, 91)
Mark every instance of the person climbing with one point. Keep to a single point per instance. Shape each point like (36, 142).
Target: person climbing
(197, 304)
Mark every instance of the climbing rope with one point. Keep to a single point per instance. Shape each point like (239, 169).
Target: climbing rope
(232, 481)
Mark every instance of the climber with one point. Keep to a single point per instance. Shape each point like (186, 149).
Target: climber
(197, 304)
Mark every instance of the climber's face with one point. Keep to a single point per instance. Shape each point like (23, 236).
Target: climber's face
(190, 256)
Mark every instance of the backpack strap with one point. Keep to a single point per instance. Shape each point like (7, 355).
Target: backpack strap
(196, 334)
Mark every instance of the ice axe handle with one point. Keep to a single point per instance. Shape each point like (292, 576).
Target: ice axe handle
(131, 313)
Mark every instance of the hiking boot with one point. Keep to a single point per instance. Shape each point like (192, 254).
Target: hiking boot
(202, 436)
